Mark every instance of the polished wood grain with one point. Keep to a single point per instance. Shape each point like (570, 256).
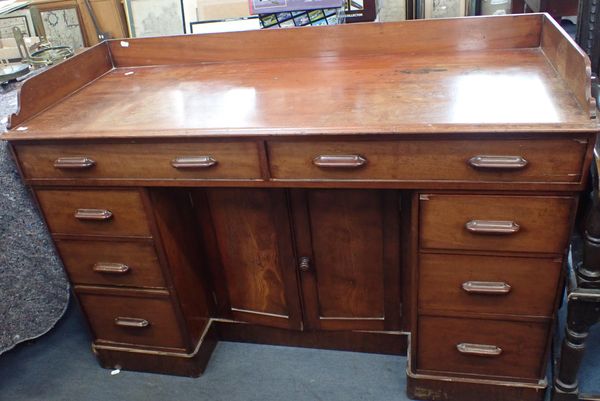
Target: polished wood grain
(232, 160)
(390, 343)
(81, 257)
(240, 91)
(570, 61)
(128, 217)
(549, 160)
(40, 92)
(342, 187)
(254, 240)
(173, 222)
(244, 98)
(347, 237)
(544, 223)
(348, 263)
(472, 34)
(522, 344)
(103, 307)
(190, 364)
(442, 276)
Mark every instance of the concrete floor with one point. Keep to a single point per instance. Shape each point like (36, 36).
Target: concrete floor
(61, 367)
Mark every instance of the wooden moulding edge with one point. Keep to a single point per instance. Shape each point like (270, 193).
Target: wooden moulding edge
(194, 363)
(542, 384)
(43, 90)
(570, 62)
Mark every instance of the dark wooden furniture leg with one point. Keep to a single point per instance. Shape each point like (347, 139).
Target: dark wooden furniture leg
(588, 31)
(584, 311)
(583, 303)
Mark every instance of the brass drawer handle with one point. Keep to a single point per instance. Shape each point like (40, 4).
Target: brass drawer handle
(111, 268)
(498, 162)
(193, 162)
(131, 322)
(486, 287)
(93, 214)
(339, 161)
(492, 227)
(79, 162)
(479, 349)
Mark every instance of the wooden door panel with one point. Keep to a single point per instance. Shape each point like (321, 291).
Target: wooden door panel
(353, 282)
(347, 237)
(254, 240)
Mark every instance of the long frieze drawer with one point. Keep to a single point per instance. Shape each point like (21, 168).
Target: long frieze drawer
(194, 160)
(495, 223)
(94, 212)
(488, 284)
(547, 160)
(481, 347)
(132, 317)
(133, 264)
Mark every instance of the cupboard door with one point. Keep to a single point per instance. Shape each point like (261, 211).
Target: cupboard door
(254, 240)
(351, 279)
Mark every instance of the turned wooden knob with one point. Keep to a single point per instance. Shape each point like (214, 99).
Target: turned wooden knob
(304, 264)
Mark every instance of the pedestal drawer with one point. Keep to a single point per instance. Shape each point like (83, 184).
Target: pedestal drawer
(487, 284)
(481, 347)
(496, 223)
(189, 160)
(132, 317)
(553, 159)
(133, 264)
(94, 212)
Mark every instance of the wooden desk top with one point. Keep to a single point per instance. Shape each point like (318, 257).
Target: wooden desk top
(491, 89)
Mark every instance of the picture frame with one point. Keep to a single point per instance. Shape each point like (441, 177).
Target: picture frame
(19, 18)
(150, 18)
(61, 24)
(317, 17)
(361, 10)
(277, 6)
(443, 8)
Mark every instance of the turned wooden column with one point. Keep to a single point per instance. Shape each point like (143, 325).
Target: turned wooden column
(588, 31)
(583, 310)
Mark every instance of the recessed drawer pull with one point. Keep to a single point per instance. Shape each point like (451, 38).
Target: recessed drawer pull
(339, 161)
(131, 322)
(93, 214)
(194, 162)
(111, 268)
(492, 227)
(79, 162)
(486, 287)
(479, 349)
(498, 162)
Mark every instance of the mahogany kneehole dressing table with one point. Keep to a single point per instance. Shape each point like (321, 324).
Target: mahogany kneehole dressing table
(402, 188)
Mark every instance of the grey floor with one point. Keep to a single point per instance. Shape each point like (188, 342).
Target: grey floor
(60, 366)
